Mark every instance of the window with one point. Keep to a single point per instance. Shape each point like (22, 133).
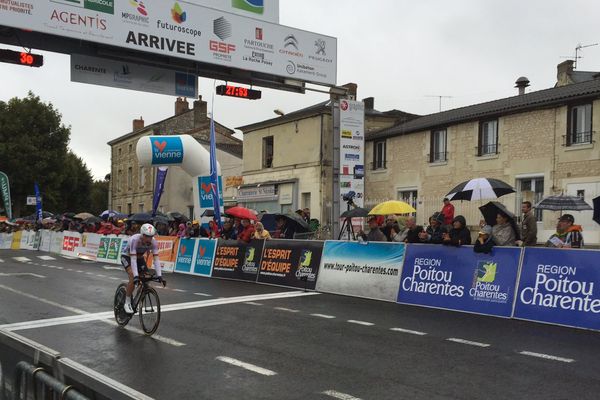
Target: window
(488, 138)
(408, 196)
(268, 152)
(191, 212)
(119, 209)
(141, 207)
(532, 190)
(305, 200)
(437, 152)
(130, 147)
(128, 208)
(142, 177)
(129, 177)
(119, 152)
(379, 155)
(580, 124)
(119, 180)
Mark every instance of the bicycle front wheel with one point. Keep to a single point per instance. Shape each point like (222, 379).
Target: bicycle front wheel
(121, 316)
(149, 309)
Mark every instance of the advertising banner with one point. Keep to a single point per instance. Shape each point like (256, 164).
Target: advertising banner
(370, 270)
(108, 249)
(90, 244)
(5, 193)
(71, 243)
(27, 240)
(161, 176)
(6, 240)
(114, 249)
(45, 240)
(167, 252)
(56, 242)
(16, 240)
(132, 76)
(291, 263)
(187, 31)
(267, 10)
(457, 278)
(239, 261)
(560, 286)
(185, 255)
(205, 255)
(352, 150)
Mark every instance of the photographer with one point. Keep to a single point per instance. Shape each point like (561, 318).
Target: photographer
(375, 234)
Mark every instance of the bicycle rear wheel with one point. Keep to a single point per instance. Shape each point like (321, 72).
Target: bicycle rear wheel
(121, 316)
(149, 308)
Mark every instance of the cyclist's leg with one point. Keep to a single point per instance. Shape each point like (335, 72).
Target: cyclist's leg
(126, 262)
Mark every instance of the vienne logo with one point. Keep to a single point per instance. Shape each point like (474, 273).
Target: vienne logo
(253, 6)
(139, 6)
(182, 249)
(484, 288)
(200, 259)
(166, 150)
(178, 14)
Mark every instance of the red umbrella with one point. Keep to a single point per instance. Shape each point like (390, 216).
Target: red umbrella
(241, 213)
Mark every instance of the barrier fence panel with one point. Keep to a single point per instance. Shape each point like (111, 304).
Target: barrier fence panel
(90, 244)
(56, 242)
(205, 255)
(456, 278)
(6, 241)
(238, 261)
(370, 270)
(16, 240)
(167, 253)
(185, 255)
(45, 240)
(291, 263)
(560, 286)
(71, 243)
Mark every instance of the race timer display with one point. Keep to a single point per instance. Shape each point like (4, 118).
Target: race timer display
(237, 91)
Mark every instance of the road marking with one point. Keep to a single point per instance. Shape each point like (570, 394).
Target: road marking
(79, 271)
(69, 257)
(109, 267)
(21, 259)
(248, 366)
(46, 258)
(59, 267)
(1, 260)
(339, 395)
(69, 269)
(408, 331)
(113, 278)
(101, 276)
(546, 356)
(203, 294)
(287, 309)
(469, 342)
(252, 303)
(179, 290)
(52, 303)
(323, 316)
(352, 321)
(21, 274)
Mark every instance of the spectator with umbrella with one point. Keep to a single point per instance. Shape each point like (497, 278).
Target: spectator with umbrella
(260, 232)
(228, 232)
(459, 234)
(484, 242)
(502, 221)
(568, 235)
(248, 233)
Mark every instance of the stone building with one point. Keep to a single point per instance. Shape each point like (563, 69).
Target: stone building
(288, 159)
(132, 186)
(542, 143)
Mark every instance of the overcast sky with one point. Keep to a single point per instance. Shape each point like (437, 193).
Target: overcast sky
(399, 52)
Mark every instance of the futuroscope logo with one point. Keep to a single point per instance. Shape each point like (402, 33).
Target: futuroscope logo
(166, 150)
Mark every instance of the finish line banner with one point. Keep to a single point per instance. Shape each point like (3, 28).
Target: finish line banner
(370, 270)
(560, 286)
(456, 278)
(235, 260)
(291, 263)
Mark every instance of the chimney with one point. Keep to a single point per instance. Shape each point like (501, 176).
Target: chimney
(521, 84)
(352, 90)
(369, 103)
(200, 111)
(138, 124)
(181, 105)
(563, 73)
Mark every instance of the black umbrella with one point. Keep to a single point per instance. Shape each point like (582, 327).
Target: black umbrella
(493, 208)
(355, 213)
(296, 220)
(596, 203)
(159, 219)
(561, 203)
(140, 217)
(480, 189)
(92, 220)
(160, 214)
(177, 216)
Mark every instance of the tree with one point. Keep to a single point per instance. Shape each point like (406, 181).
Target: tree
(33, 147)
(99, 197)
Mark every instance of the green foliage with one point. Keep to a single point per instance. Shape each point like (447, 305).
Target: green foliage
(98, 197)
(33, 147)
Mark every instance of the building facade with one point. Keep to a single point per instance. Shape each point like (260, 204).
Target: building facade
(543, 143)
(132, 186)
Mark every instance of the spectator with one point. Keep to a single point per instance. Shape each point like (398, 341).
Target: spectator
(448, 212)
(248, 231)
(260, 232)
(567, 234)
(503, 233)
(212, 231)
(528, 225)
(306, 214)
(181, 232)
(459, 234)
(194, 229)
(433, 233)
(375, 234)
(286, 230)
(484, 242)
(162, 229)
(106, 228)
(397, 234)
(412, 231)
(228, 232)
(238, 227)
(390, 220)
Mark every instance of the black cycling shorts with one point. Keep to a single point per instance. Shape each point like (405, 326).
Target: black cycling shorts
(141, 263)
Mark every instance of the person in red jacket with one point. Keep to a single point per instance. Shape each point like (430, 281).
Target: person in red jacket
(247, 233)
(448, 212)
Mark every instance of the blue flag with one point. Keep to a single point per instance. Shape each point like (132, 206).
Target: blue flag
(214, 173)
(38, 203)
(161, 176)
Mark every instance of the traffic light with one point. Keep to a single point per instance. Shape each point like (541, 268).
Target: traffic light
(21, 58)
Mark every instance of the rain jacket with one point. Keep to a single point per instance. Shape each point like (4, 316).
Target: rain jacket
(504, 235)
(460, 236)
(571, 237)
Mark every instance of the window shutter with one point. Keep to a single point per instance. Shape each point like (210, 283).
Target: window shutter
(432, 146)
(384, 156)
(375, 155)
(497, 135)
(569, 134)
(480, 140)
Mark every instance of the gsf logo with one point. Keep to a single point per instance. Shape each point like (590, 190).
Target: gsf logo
(70, 243)
(221, 47)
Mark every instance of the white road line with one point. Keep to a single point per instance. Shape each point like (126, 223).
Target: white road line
(46, 258)
(546, 356)
(89, 273)
(59, 267)
(248, 366)
(52, 303)
(179, 290)
(69, 269)
(339, 395)
(21, 259)
(79, 271)
(101, 276)
(286, 309)
(352, 321)
(22, 274)
(323, 316)
(1, 260)
(251, 303)
(69, 257)
(203, 294)
(469, 342)
(408, 331)
(113, 278)
(109, 267)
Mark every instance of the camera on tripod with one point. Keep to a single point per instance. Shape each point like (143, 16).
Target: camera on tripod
(349, 197)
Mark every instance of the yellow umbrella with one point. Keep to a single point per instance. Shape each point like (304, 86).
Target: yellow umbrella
(392, 207)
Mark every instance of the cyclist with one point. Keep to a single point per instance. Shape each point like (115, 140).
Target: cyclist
(133, 261)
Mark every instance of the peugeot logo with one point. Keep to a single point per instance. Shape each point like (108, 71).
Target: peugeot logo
(320, 44)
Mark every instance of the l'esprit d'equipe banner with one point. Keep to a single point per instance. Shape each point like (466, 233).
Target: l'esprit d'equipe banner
(234, 260)
(183, 30)
(457, 278)
(290, 263)
(370, 270)
(205, 254)
(167, 253)
(185, 255)
(560, 286)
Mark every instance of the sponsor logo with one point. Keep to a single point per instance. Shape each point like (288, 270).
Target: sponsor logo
(291, 47)
(291, 67)
(185, 254)
(139, 6)
(90, 68)
(427, 278)
(18, 7)
(103, 6)
(140, 16)
(249, 265)
(344, 105)
(75, 19)
(179, 16)
(320, 52)
(347, 134)
(258, 49)
(352, 106)
(123, 76)
(253, 6)
(207, 190)
(177, 13)
(357, 136)
(350, 146)
(222, 28)
(221, 50)
(70, 243)
(351, 157)
(182, 249)
(166, 150)
(258, 33)
(304, 271)
(185, 84)
(484, 288)
(200, 259)
(161, 43)
(347, 185)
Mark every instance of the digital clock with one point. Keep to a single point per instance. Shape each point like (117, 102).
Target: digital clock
(22, 58)
(238, 91)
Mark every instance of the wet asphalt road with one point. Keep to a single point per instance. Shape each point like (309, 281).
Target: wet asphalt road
(276, 347)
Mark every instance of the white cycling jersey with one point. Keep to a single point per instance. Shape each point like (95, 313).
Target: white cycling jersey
(137, 248)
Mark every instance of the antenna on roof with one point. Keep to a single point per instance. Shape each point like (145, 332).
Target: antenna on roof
(577, 50)
(440, 97)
